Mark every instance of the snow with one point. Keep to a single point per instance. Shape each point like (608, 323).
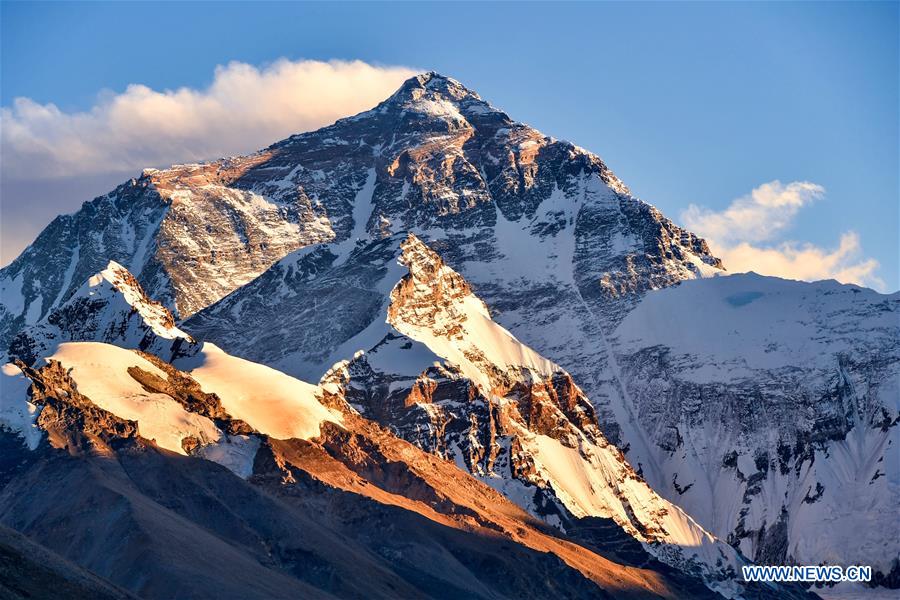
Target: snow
(363, 206)
(34, 310)
(748, 328)
(704, 270)
(476, 338)
(16, 413)
(101, 373)
(11, 294)
(395, 358)
(234, 452)
(67, 277)
(155, 316)
(499, 346)
(438, 108)
(593, 481)
(140, 253)
(364, 340)
(733, 325)
(362, 211)
(268, 400)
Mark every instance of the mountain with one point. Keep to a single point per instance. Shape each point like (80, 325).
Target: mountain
(771, 410)
(494, 407)
(109, 307)
(434, 154)
(231, 478)
(562, 255)
(444, 376)
(777, 438)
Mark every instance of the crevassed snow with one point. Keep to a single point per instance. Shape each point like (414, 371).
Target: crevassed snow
(270, 401)
(16, 413)
(101, 373)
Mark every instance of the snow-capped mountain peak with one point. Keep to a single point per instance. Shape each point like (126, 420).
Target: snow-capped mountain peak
(112, 307)
(446, 377)
(115, 281)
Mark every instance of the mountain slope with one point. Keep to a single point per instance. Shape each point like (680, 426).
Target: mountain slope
(171, 523)
(272, 430)
(28, 570)
(446, 377)
(768, 397)
(112, 307)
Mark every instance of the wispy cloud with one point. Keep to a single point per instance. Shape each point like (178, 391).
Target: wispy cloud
(245, 108)
(746, 237)
(759, 216)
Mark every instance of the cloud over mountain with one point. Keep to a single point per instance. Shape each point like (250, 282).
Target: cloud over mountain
(244, 108)
(746, 237)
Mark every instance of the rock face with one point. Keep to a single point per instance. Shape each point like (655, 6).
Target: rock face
(288, 257)
(773, 409)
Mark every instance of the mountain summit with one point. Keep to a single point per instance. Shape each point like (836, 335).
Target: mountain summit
(432, 155)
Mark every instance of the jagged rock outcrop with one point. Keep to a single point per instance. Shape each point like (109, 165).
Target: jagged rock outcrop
(447, 378)
(72, 421)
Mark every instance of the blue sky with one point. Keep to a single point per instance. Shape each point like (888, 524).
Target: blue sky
(688, 103)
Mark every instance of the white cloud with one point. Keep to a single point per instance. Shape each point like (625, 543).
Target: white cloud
(806, 261)
(756, 217)
(735, 235)
(244, 109)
